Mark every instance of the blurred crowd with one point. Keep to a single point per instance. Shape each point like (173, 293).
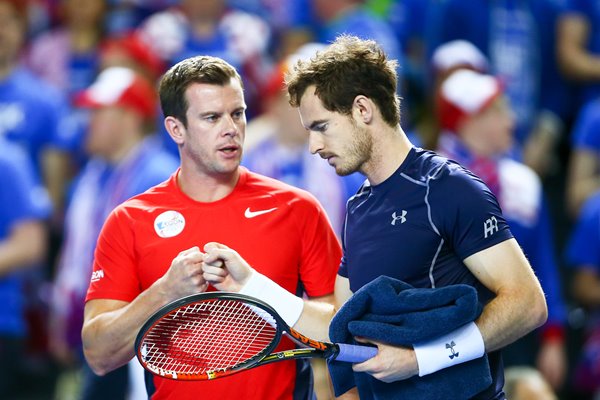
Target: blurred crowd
(81, 131)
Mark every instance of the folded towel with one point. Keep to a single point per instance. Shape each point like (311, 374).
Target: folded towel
(394, 312)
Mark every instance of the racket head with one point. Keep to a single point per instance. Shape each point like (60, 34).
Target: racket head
(207, 336)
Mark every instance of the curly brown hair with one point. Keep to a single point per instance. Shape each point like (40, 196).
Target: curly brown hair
(199, 69)
(349, 67)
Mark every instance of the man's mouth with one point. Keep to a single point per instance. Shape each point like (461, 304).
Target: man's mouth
(229, 149)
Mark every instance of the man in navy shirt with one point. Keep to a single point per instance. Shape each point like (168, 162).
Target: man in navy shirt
(421, 219)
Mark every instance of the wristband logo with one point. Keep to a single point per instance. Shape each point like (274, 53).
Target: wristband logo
(451, 347)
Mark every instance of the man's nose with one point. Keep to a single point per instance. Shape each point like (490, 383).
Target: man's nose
(315, 143)
(230, 127)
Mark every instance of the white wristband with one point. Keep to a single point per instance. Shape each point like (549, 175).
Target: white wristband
(287, 305)
(462, 345)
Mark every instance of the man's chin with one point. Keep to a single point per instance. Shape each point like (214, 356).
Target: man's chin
(341, 171)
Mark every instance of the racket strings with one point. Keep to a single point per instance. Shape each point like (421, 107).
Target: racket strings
(208, 336)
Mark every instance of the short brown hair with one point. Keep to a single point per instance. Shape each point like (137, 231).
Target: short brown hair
(347, 68)
(199, 69)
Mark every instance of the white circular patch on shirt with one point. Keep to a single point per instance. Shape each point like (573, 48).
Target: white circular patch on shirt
(169, 224)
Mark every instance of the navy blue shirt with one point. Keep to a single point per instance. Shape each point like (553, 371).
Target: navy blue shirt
(418, 225)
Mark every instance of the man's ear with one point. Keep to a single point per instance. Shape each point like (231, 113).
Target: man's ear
(175, 129)
(362, 108)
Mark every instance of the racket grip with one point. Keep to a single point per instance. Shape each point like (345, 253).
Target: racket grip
(355, 354)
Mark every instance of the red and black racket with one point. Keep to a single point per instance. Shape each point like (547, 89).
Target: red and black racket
(215, 334)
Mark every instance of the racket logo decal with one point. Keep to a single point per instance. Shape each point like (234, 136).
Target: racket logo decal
(310, 342)
(169, 224)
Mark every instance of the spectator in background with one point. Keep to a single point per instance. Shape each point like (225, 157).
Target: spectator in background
(583, 255)
(24, 210)
(31, 111)
(291, 22)
(125, 160)
(516, 37)
(67, 56)
(414, 24)
(282, 151)
(446, 59)
(210, 27)
(579, 45)
(526, 383)
(583, 179)
(126, 15)
(132, 51)
(478, 128)
(336, 17)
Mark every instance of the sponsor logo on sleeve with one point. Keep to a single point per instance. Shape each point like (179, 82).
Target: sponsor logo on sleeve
(97, 275)
(490, 226)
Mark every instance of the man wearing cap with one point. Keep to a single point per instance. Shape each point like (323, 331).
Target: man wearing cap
(125, 159)
(477, 131)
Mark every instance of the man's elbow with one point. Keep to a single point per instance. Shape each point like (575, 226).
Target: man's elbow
(97, 364)
(97, 359)
(538, 311)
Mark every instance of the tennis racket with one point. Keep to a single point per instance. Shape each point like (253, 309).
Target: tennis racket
(211, 335)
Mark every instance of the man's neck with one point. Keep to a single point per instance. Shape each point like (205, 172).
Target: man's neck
(206, 188)
(390, 149)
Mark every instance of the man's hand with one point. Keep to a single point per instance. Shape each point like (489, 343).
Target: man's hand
(224, 268)
(184, 276)
(392, 363)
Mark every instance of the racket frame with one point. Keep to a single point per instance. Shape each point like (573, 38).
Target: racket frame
(309, 348)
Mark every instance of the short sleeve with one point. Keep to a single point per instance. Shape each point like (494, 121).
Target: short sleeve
(321, 251)
(465, 211)
(114, 273)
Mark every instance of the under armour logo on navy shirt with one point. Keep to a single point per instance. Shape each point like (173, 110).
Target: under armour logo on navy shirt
(402, 217)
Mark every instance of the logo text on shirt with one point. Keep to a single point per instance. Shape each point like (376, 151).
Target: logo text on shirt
(97, 275)
(490, 226)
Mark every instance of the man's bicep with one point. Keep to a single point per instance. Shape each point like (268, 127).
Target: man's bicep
(502, 266)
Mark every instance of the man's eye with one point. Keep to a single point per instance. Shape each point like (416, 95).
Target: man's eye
(321, 127)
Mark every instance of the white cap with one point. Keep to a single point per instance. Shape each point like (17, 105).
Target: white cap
(465, 93)
(458, 53)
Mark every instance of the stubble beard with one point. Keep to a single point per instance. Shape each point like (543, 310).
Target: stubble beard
(359, 152)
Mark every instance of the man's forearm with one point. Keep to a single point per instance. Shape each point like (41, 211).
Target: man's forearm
(510, 316)
(109, 333)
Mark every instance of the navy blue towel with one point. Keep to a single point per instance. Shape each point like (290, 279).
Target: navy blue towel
(394, 312)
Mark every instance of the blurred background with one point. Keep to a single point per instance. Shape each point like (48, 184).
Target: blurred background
(81, 131)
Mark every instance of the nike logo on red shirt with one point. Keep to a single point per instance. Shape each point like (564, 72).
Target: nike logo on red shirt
(252, 214)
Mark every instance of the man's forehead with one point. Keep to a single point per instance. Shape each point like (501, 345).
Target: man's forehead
(211, 95)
